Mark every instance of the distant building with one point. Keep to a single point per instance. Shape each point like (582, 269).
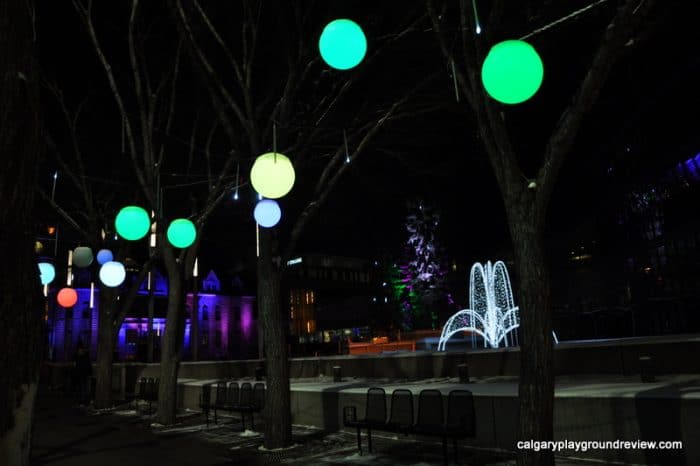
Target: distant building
(329, 297)
(227, 324)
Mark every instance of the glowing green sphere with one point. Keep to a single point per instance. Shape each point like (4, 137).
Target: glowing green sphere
(512, 71)
(342, 44)
(272, 175)
(132, 223)
(82, 256)
(181, 233)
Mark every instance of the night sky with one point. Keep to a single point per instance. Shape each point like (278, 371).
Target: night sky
(646, 121)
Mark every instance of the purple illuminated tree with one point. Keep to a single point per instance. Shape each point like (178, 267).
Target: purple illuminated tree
(423, 270)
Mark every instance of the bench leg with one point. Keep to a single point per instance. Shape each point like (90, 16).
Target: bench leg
(359, 441)
(445, 459)
(369, 440)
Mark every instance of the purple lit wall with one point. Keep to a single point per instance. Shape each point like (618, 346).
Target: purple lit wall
(230, 328)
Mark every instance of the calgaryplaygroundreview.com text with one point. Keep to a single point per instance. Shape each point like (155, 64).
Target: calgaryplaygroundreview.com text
(585, 445)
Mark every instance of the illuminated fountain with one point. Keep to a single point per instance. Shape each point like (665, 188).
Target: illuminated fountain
(492, 313)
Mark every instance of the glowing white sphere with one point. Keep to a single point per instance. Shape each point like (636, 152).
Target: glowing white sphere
(82, 256)
(104, 256)
(112, 273)
(272, 175)
(267, 213)
(47, 272)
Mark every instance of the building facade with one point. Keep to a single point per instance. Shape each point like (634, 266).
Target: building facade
(227, 324)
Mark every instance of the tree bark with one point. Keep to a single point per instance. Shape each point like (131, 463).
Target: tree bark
(277, 413)
(20, 306)
(536, 384)
(106, 339)
(172, 339)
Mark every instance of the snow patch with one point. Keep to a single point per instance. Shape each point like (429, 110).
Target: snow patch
(249, 433)
(131, 412)
(262, 448)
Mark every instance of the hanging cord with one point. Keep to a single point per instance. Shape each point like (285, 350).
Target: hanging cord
(274, 142)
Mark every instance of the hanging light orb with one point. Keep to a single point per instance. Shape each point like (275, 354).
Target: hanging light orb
(104, 256)
(343, 44)
(181, 233)
(82, 256)
(67, 297)
(47, 273)
(132, 223)
(112, 273)
(38, 247)
(267, 213)
(512, 71)
(272, 175)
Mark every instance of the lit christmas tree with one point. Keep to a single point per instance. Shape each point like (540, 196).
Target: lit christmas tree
(420, 284)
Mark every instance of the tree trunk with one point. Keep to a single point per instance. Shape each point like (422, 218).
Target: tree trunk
(536, 387)
(172, 343)
(20, 306)
(106, 339)
(278, 418)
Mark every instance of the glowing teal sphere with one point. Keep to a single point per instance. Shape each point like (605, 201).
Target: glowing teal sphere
(272, 175)
(112, 273)
(104, 256)
(267, 213)
(181, 233)
(47, 272)
(512, 71)
(342, 44)
(132, 223)
(82, 256)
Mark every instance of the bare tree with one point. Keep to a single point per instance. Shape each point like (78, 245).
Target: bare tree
(90, 214)
(526, 195)
(277, 95)
(147, 109)
(20, 307)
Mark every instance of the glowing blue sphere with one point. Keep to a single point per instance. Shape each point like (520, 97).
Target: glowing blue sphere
(112, 273)
(342, 44)
(267, 213)
(104, 256)
(47, 272)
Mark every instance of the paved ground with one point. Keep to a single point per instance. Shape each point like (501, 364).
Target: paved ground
(68, 435)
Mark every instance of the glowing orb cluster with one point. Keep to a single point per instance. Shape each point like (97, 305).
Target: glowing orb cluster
(47, 272)
(82, 256)
(181, 233)
(67, 297)
(132, 223)
(343, 44)
(272, 175)
(112, 273)
(512, 71)
(267, 213)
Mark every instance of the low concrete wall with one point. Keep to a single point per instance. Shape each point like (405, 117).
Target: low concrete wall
(660, 412)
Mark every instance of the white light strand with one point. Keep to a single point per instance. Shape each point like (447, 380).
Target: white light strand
(561, 20)
(476, 18)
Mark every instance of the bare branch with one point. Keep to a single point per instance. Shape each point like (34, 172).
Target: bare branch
(86, 15)
(616, 35)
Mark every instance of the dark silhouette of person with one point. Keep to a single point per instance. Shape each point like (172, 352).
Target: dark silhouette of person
(83, 371)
